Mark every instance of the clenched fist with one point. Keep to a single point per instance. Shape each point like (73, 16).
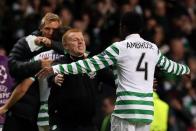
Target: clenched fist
(43, 41)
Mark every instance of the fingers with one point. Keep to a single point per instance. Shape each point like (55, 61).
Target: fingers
(39, 73)
(46, 62)
(43, 41)
(59, 84)
(46, 41)
(59, 79)
(60, 76)
(38, 41)
(3, 110)
(44, 72)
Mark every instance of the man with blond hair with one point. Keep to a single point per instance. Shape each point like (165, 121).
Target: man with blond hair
(22, 116)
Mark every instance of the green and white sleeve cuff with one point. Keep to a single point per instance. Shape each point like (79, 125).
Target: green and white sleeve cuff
(56, 69)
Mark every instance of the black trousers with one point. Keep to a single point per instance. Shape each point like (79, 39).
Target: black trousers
(57, 124)
(16, 123)
(78, 128)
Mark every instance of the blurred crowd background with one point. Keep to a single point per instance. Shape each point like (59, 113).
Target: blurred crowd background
(171, 24)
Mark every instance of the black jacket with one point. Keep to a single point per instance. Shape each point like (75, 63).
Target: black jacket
(19, 64)
(20, 68)
(73, 103)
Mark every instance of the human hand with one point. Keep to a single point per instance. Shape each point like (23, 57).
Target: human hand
(58, 79)
(3, 110)
(44, 72)
(38, 41)
(46, 62)
(43, 41)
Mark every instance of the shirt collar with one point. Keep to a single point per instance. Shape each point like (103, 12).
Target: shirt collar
(133, 36)
(74, 58)
(84, 56)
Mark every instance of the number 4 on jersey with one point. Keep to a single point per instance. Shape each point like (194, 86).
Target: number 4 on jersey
(145, 69)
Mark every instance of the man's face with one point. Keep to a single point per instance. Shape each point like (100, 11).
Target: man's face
(75, 44)
(49, 28)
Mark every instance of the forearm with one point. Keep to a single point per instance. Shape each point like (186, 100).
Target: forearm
(18, 92)
(172, 67)
(79, 67)
(22, 70)
(97, 62)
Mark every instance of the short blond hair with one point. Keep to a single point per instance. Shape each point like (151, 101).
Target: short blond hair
(65, 35)
(49, 17)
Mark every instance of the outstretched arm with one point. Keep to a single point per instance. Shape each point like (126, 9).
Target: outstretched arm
(97, 62)
(172, 67)
(17, 94)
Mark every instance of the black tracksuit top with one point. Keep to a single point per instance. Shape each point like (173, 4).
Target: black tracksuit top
(73, 102)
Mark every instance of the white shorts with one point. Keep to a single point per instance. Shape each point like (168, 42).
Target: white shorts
(118, 124)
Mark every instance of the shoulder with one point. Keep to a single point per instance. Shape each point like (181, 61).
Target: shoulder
(115, 47)
(20, 44)
(117, 44)
(154, 46)
(36, 33)
(22, 40)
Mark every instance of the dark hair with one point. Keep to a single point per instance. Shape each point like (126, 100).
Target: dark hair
(58, 34)
(131, 22)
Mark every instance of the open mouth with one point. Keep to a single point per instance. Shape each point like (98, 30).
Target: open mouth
(80, 47)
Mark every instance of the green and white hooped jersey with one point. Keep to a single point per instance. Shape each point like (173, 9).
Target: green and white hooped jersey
(135, 60)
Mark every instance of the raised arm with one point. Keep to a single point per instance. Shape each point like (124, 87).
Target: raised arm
(36, 43)
(172, 67)
(19, 65)
(97, 62)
